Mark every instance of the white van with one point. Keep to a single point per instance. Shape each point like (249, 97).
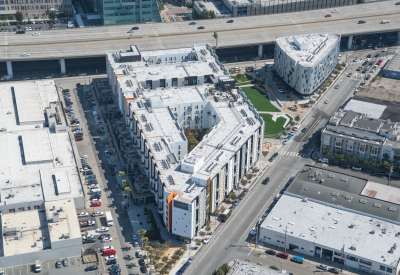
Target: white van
(38, 266)
(324, 160)
(296, 127)
(385, 22)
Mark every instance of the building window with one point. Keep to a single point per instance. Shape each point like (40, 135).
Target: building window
(365, 262)
(361, 148)
(12, 210)
(374, 150)
(338, 142)
(36, 207)
(21, 209)
(389, 270)
(382, 268)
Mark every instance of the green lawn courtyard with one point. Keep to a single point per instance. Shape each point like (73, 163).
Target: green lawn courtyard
(259, 100)
(273, 128)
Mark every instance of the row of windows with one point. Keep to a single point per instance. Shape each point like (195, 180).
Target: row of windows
(23, 208)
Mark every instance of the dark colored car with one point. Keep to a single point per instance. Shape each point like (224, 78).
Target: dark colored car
(369, 55)
(20, 32)
(91, 268)
(229, 21)
(377, 55)
(265, 181)
(88, 240)
(95, 196)
(135, 28)
(110, 262)
(304, 130)
(270, 252)
(362, 22)
(192, 23)
(141, 262)
(345, 166)
(334, 270)
(201, 28)
(143, 269)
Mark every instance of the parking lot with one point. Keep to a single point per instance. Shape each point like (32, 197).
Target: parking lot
(38, 26)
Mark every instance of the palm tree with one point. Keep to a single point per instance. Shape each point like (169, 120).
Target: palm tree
(142, 232)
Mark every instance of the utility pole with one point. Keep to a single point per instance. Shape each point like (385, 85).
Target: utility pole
(285, 237)
(341, 268)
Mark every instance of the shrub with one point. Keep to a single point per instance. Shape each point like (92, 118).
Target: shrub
(273, 267)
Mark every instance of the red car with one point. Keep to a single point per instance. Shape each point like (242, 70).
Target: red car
(95, 204)
(328, 15)
(379, 62)
(282, 255)
(109, 252)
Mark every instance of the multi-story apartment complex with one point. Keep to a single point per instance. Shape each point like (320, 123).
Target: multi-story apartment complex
(353, 133)
(116, 12)
(35, 7)
(164, 95)
(40, 185)
(305, 61)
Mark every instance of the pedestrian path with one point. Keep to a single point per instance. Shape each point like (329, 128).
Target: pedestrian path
(294, 154)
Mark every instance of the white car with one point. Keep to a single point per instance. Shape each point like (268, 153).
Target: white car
(134, 237)
(335, 11)
(97, 214)
(136, 244)
(102, 229)
(384, 50)
(36, 33)
(280, 90)
(82, 74)
(324, 160)
(370, 46)
(91, 223)
(105, 240)
(322, 266)
(106, 153)
(107, 248)
(93, 186)
(326, 101)
(253, 232)
(97, 121)
(83, 214)
(111, 257)
(206, 240)
(139, 254)
(98, 200)
(25, 54)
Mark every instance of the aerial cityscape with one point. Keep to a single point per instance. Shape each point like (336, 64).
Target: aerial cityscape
(200, 137)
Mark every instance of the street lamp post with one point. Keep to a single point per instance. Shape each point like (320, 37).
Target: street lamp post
(236, 61)
(390, 173)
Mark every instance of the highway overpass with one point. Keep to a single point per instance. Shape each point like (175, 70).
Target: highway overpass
(245, 31)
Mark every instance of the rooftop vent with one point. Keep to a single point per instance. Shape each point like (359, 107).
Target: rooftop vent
(353, 247)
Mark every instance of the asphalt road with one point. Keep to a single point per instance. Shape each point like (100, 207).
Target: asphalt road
(244, 31)
(111, 197)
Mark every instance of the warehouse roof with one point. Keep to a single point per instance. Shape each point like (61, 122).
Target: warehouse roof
(333, 227)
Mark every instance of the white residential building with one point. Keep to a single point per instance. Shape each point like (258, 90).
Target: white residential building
(305, 61)
(165, 93)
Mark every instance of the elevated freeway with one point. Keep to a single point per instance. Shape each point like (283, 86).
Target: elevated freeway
(245, 31)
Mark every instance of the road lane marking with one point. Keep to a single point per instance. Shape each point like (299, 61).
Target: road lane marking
(250, 251)
(311, 127)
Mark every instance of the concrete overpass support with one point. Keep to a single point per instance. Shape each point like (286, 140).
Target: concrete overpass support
(398, 38)
(62, 64)
(9, 69)
(350, 42)
(260, 50)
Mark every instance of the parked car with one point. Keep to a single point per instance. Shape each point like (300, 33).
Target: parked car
(282, 255)
(108, 247)
(83, 214)
(270, 252)
(102, 229)
(95, 204)
(108, 239)
(322, 267)
(111, 257)
(265, 181)
(206, 240)
(91, 268)
(334, 270)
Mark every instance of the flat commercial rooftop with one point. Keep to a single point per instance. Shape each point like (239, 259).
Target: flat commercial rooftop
(334, 227)
(27, 166)
(355, 193)
(308, 49)
(370, 109)
(394, 63)
(241, 267)
(30, 226)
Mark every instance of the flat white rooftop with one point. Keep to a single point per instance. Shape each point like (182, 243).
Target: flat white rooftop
(31, 153)
(334, 227)
(308, 49)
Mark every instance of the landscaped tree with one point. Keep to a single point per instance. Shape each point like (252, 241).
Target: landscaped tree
(352, 159)
(52, 16)
(225, 267)
(142, 232)
(340, 156)
(364, 161)
(19, 16)
(161, 6)
(297, 118)
(232, 196)
(122, 174)
(374, 163)
(387, 165)
(327, 153)
(222, 209)
(212, 14)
